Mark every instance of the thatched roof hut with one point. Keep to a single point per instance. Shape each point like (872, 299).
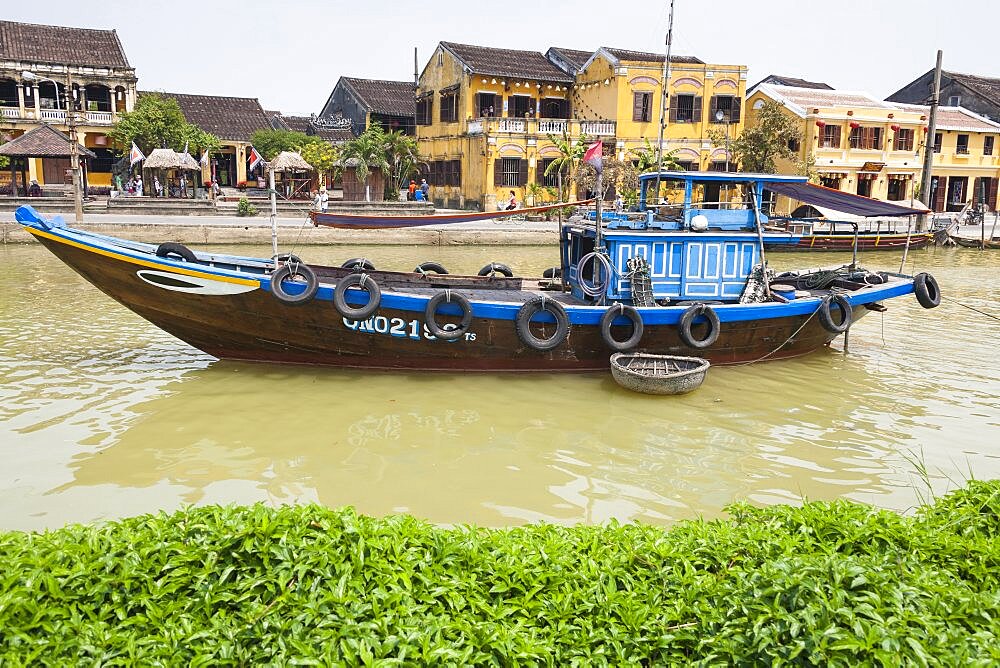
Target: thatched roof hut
(164, 158)
(290, 161)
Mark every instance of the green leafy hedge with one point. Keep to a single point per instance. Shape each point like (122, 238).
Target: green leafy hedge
(827, 583)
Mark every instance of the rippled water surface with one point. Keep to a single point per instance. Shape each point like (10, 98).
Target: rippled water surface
(102, 415)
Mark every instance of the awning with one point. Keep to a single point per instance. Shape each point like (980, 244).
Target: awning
(841, 201)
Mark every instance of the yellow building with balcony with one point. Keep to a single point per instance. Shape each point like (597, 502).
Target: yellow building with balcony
(486, 117)
(44, 68)
(866, 146)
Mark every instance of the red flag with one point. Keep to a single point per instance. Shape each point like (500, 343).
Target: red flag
(254, 157)
(595, 155)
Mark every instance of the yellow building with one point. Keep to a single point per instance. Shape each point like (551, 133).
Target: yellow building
(874, 148)
(625, 87)
(486, 117)
(42, 68)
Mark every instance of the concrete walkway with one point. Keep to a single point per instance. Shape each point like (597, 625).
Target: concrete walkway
(220, 230)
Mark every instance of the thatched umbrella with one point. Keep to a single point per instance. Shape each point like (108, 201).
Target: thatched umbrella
(189, 162)
(289, 161)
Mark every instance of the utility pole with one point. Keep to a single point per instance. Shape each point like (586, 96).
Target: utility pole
(925, 177)
(74, 148)
(664, 99)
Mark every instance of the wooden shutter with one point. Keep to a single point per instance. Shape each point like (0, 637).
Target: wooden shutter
(977, 191)
(636, 106)
(498, 172)
(939, 194)
(713, 106)
(991, 194)
(735, 109)
(458, 172)
(696, 111)
(522, 176)
(836, 136)
(540, 171)
(672, 103)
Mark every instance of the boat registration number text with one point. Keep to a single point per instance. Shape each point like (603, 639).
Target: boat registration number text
(399, 328)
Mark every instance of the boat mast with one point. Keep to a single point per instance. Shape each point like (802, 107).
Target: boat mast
(274, 215)
(665, 84)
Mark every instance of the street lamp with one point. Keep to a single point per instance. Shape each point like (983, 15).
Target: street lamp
(74, 148)
(720, 116)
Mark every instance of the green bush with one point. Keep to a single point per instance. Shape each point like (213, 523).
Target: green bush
(245, 208)
(828, 583)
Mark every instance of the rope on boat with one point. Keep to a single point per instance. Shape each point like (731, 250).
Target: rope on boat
(971, 308)
(764, 357)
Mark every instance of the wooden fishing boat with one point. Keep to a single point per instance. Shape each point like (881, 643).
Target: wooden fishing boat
(664, 291)
(972, 242)
(848, 241)
(361, 222)
(658, 374)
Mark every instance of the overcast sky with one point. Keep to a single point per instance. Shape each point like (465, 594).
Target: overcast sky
(290, 55)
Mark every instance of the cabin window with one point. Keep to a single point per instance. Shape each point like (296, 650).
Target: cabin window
(962, 146)
(449, 107)
(729, 105)
(987, 145)
(937, 142)
(522, 106)
(424, 107)
(642, 107)
(904, 140)
(866, 138)
(486, 105)
(830, 137)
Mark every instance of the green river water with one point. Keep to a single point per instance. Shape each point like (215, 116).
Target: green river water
(103, 416)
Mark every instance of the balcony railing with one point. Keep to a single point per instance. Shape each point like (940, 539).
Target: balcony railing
(53, 115)
(100, 117)
(540, 126)
(10, 112)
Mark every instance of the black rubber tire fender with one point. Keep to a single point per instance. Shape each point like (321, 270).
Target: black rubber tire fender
(170, 248)
(359, 264)
(552, 272)
(826, 315)
(425, 267)
(364, 282)
(608, 319)
(290, 270)
(687, 320)
(926, 290)
(430, 315)
(287, 257)
(496, 268)
(522, 323)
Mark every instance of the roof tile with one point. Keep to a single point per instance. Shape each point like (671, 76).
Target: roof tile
(507, 62)
(41, 142)
(394, 98)
(232, 118)
(32, 43)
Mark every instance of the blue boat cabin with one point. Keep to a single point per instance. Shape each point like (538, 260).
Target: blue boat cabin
(699, 238)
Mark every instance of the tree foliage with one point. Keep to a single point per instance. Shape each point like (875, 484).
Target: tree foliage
(272, 142)
(647, 158)
(320, 154)
(621, 174)
(157, 121)
(366, 152)
(761, 145)
(570, 153)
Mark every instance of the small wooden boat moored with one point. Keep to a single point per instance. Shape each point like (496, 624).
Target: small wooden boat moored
(658, 374)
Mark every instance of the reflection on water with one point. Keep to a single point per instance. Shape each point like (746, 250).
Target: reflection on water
(103, 416)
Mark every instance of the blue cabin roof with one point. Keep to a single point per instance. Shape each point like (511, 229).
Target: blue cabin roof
(730, 177)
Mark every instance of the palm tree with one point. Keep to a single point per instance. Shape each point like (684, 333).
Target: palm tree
(570, 153)
(367, 151)
(403, 157)
(647, 158)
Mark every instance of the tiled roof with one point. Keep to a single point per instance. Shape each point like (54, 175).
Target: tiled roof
(304, 124)
(395, 98)
(812, 97)
(574, 57)
(780, 80)
(985, 86)
(232, 118)
(41, 142)
(507, 62)
(32, 43)
(645, 57)
(955, 118)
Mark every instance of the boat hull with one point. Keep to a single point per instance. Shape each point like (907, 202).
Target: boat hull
(237, 317)
(845, 242)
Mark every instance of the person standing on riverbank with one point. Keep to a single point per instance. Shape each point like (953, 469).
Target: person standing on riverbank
(425, 189)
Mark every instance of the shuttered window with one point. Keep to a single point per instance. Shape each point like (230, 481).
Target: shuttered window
(831, 137)
(424, 110)
(987, 145)
(642, 107)
(449, 108)
(685, 109)
(729, 105)
(866, 138)
(904, 140)
(510, 172)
